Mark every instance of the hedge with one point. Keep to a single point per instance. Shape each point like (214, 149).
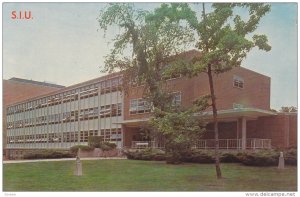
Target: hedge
(257, 158)
(47, 154)
(74, 149)
(260, 158)
(145, 154)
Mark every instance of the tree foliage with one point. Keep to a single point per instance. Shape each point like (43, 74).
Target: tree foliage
(224, 42)
(224, 37)
(151, 43)
(180, 129)
(154, 39)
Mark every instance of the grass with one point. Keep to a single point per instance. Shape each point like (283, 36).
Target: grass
(133, 175)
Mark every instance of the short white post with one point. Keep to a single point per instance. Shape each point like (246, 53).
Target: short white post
(281, 161)
(78, 167)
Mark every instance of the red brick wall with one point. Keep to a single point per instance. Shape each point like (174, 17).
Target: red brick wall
(281, 129)
(293, 131)
(256, 91)
(129, 132)
(16, 91)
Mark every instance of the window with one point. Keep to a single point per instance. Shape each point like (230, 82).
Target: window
(176, 100)
(237, 106)
(238, 82)
(139, 106)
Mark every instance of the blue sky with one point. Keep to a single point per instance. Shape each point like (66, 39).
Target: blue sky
(63, 44)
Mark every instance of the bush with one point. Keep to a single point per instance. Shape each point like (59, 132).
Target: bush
(95, 141)
(174, 158)
(146, 154)
(261, 158)
(290, 156)
(198, 156)
(107, 146)
(74, 149)
(48, 154)
(229, 158)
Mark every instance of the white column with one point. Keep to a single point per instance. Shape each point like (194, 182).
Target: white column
(244, 132)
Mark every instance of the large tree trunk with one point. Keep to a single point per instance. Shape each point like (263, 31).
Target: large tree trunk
(215, 121)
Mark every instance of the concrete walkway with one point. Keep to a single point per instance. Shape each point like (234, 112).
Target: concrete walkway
(62, 159)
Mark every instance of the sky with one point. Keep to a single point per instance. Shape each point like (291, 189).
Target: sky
(63, 44)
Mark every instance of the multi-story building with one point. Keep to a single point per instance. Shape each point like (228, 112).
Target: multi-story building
(17, 89)
(99, 107)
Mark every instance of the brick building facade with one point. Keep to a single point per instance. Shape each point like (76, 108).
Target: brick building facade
(17, 89)
(99, 107)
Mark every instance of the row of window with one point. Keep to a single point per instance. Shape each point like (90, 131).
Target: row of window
(134, 82)
(107, 135)
(140, 106)
(85, 114)
(107, 86)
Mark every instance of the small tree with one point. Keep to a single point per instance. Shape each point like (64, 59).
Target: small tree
(224, 41)
(181, 130)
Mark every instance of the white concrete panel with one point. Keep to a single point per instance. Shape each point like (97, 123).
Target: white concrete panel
(56, 127)
(51, 110)
(102, 100)
(96, 101)
(114, 97)
(85, 125)
(75, 105)
(101, 123)
(108, 99)
(75, 126)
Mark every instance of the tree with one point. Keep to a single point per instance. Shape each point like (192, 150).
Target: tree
(151, 42)
(180, 128)
(224, 41)
(154, 43)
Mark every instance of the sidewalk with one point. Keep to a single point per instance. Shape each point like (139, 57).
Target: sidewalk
(62, 159)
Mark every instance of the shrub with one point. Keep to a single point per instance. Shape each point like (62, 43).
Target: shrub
(290, 156)
(198, 156)
(95, 141)
(107, 146)
(74, 149)
(174, 158)
(261, 158)
(145, 154)
(48, 154)
(229, 158)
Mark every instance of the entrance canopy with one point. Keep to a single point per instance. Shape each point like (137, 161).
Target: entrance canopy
(234, 114)
(223, 115)
(134, 122)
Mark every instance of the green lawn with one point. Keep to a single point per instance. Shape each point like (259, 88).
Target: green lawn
(130, 175)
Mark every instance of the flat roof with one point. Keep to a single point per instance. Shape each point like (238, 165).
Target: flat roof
(20, 80)
(75, 86)
(223, 115)
(230, 114)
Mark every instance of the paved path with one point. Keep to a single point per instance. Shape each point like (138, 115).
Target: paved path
(63, 159)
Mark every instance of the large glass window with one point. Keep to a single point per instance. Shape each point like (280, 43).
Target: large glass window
(139, 106)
